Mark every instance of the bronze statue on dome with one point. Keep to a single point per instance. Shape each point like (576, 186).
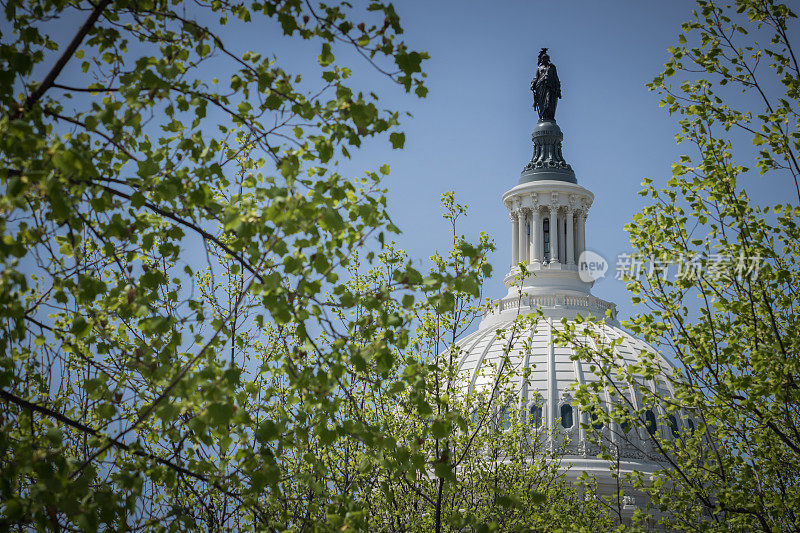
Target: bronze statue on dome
(546, 87)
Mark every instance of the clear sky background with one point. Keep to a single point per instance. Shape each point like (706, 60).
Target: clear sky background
(472, 134)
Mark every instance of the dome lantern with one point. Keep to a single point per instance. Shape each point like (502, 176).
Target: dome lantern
(548, 210)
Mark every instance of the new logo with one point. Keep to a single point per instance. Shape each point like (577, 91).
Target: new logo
(591, 266)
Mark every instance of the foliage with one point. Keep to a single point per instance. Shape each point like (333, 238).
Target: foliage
(399, 446)
(475, 463)
(137, 150)
(195, 334)
(729, 440)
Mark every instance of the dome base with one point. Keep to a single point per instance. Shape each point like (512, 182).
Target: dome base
(558, 305)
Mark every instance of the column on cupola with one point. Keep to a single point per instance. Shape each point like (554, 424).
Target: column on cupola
(577, 236)
(523, 235)
(536, 235)
(570, 235)
(514, 235)
(562, 238)
(553, 233)
(581, 245)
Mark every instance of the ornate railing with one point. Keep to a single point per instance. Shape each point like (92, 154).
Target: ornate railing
(594, 305)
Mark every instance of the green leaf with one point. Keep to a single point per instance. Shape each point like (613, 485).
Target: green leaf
(398, 140)
(268, 430)
(220, 413)
(80, 327)
(409, 63)
(440, 429)
(443, 470)
(325, 57)
(54, 436)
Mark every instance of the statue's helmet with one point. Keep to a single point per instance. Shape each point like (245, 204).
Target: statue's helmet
(543, 57)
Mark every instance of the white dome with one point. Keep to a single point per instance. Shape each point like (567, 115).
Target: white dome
(548, 237)
(544, 373)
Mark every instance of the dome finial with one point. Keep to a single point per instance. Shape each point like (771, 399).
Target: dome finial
(547, 162)
(546, 87)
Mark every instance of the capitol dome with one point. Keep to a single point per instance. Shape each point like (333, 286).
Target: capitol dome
(548, 211)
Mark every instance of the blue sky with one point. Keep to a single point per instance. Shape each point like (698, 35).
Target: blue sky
(472, 133)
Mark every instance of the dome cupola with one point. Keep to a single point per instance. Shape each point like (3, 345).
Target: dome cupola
(548, 211)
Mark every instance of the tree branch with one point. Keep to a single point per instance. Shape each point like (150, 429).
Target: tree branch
(62, 61)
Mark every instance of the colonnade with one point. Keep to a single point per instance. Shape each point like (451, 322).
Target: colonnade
(531, 228)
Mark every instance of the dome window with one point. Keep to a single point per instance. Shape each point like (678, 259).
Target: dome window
(546, 240)
(673, 426)
(597, 424)
(475, 417)
(566, 416)
(535, 416)
(505, 418)
(650, 421)
(690, 425)
(626, 423)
